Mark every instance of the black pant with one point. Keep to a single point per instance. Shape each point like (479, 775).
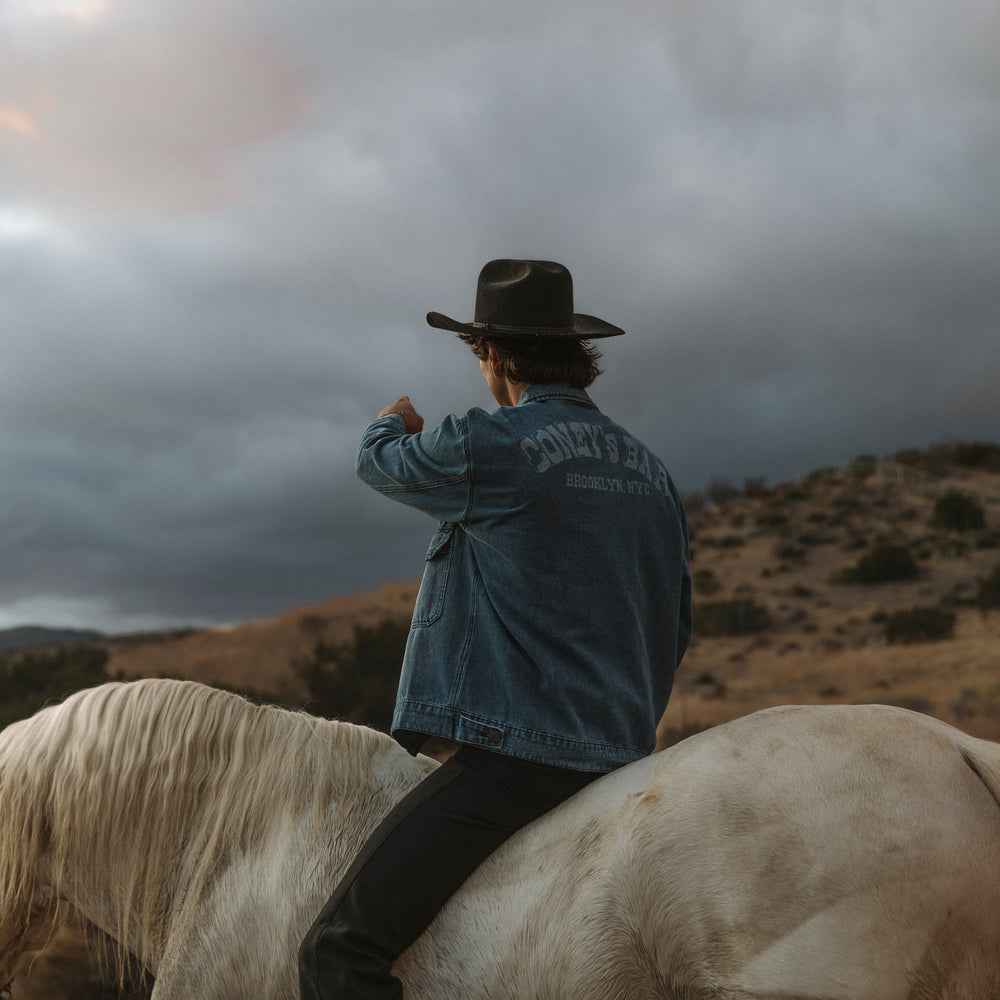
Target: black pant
(414, 862)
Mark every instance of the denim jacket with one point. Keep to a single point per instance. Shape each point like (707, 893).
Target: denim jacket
(555, 603)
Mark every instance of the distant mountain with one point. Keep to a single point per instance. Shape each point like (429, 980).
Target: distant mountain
(37, 635)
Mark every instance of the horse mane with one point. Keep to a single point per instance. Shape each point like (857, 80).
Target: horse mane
(162, 783)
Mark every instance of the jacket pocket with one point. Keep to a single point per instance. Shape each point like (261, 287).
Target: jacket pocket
(434, 585)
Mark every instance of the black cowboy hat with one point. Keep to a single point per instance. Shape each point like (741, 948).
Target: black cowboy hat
(526, 298)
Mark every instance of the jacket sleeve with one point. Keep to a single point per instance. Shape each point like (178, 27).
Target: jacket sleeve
(428, 471)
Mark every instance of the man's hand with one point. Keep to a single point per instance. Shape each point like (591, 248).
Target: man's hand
(413, 422)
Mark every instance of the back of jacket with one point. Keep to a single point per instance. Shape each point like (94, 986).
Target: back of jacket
(555, 604)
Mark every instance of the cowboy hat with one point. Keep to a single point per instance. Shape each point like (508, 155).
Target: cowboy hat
(526, 298)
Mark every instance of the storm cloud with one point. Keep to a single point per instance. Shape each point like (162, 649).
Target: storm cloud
(221, 227)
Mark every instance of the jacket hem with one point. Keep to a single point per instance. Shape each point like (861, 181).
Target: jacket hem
(514, 741)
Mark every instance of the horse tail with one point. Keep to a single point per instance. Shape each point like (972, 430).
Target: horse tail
(983, 758)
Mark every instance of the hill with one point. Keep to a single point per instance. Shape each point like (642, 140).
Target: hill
(775, 620)
(258, 655)
(29, 636)
(790, 550)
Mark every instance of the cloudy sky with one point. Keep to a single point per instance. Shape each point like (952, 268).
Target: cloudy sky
(222, 224)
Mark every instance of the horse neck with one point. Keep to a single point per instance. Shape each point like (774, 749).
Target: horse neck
(170, 828)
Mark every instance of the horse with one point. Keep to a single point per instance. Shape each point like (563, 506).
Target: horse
(820, 852)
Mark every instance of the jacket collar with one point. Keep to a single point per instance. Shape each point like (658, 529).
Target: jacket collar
(538, 393)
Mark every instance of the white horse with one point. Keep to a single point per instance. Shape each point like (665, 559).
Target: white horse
(833, 853)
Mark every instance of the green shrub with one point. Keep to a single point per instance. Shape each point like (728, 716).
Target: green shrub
(29, 681)
(786, 550)
(977, 454)
(987, 540)
(357, 680)
(864, 466)
(884, 561)
(911, 456)
(771, 517)
(957, 512)
(983, 700)
(816, 538)
(920, 624)
(706, 581)
(739, 616)
(720, 490)
(723, 541)
(988, 590)
(756, 488)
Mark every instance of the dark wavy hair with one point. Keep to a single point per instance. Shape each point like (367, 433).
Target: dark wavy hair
(541, 360)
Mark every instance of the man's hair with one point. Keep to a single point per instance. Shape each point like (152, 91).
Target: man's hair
(541, 360)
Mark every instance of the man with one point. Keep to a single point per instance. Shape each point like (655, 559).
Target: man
(554, 608)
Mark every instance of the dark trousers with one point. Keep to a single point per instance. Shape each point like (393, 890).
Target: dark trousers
(414, 862)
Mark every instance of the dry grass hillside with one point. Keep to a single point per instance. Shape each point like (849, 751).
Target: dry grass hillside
(786, 549)
(258, 655)
(758, 553)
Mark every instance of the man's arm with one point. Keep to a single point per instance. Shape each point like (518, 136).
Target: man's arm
(427, 470)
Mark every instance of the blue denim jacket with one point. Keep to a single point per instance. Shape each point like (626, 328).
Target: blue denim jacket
(555, 603)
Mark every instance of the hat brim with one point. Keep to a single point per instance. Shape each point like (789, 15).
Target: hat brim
(584, 328)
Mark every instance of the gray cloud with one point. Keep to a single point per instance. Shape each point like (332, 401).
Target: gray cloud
(220, 230)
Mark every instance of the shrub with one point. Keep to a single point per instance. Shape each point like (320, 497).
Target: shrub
(740, 616)
(824, 474)
(723, 541)
(910, 456)
(816, 538)
(706, 581)
(957, 512)
(983, 700)
(988, 590)
(694, 502)
(357, 680)
(977, 453)
(882, 562)
(771, 517)
(988, 540)
(720, 490)
(786, 550)
(29, 681)
(864, 466)
(756, 488)
(920, 624)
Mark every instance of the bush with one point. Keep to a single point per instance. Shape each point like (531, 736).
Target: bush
(29, 681)
(920, 624)
(756, 488)
(884, 561)
(988, 590)
(720, 490)
(357, 680)
(706, 581)
(824, 474)
(723, 541)
(788, 551)
(740, 616)
(864, 466)
(771, 517)
(957, 512)
(983, 701)
(977, 454)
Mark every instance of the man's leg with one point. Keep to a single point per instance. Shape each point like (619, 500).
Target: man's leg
(414, 862)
